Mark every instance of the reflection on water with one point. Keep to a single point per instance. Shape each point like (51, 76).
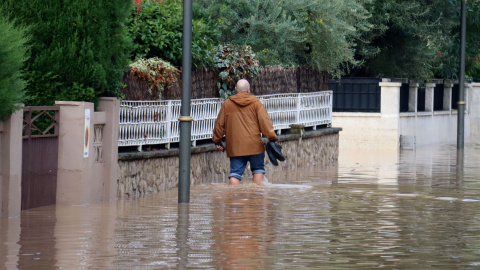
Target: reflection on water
(413, 211)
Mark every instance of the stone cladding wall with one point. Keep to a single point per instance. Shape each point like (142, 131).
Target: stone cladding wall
(149, 172)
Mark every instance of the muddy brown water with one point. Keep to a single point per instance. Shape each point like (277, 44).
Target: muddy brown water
(413, 210)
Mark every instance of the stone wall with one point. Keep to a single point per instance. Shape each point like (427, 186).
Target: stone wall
(149, 172)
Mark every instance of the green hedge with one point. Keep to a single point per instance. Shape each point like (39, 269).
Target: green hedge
(12, 56)
(156, 29)
(79, 49)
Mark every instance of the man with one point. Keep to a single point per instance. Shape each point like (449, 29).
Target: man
(242, 119)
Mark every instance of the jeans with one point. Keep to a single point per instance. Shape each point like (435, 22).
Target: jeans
(238, 165)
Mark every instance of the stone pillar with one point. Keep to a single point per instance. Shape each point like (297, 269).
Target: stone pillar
(390, 99)
(390, 113)
(88, 161)
(474, 109)
(413, 97)
(73, 178)
(447, 96)
(11, 165)
(111, 107)
(429, 96)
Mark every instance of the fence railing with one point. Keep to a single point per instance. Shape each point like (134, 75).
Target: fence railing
(356, 94)
(156, 122)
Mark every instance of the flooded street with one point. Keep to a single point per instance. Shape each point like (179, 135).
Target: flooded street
(416, 210)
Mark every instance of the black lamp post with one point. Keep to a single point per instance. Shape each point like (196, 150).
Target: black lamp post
(461, 94)
(185, 118)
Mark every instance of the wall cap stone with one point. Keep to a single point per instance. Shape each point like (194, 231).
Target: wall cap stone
(68, 103)
(390, 84)
(210, 147)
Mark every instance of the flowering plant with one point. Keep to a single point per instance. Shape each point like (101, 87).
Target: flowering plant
(159, 73)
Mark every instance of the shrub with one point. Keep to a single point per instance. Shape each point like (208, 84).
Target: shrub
(234, 63)
(13, 51)
(474, 70)
(78, 48)
(158, 73)
(156, 29)
(318, 33)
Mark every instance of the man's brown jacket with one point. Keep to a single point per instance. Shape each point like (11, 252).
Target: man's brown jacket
(242, 119)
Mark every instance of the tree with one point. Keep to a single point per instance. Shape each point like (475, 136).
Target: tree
(473, 40)
(334, 30)
(417, 39)
(13, 53)
(156, 29)
(78, 48)
(320, 33)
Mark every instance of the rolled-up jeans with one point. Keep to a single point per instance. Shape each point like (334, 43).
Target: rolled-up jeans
(238, 165)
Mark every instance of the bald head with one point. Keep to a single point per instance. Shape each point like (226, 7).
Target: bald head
(243, 86)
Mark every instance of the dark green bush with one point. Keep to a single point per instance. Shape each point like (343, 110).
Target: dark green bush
(234, 63)
(79, 49)
(13, 51)
(156, 30)
(318, 33)
(474, 71)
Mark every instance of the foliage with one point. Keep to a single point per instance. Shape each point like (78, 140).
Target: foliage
(472, 68)
(474, 71)
(156, 29)
(159, 73)
(234, 63)
(78, 48)
(13, 53)
(320, 33)
(334, 30)
(417, 38)
(262, 24)
(411, 38)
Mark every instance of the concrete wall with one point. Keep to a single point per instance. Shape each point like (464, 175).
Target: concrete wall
(433, 127)
(393, 130)
(150, 172)
(474, 107)
(11, 165)
(82, 180)
(429, 128)
(372, 130)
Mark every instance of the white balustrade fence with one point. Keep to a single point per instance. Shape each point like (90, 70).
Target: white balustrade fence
(156, 122)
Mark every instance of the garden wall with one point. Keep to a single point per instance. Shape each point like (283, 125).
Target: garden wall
(150, 172)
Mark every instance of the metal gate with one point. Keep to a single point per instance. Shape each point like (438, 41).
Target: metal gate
(352, 94)
(40, 156)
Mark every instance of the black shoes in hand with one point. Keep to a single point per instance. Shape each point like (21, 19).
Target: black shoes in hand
(274, 152)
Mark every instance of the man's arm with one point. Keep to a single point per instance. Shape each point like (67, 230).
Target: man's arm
(219, 129)
(265, 123)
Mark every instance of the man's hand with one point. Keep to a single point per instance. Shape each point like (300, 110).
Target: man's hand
(220, 146)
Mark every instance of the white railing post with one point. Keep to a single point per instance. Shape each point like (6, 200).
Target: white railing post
(299, 102)
(168, 120)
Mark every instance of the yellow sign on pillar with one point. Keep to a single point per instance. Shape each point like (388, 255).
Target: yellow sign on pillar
(86, 133)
